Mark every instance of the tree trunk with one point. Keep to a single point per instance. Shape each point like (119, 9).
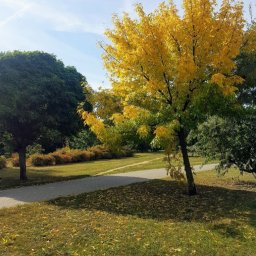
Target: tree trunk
(22, 162)
(190, 179)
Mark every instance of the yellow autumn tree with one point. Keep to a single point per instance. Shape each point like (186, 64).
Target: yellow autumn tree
(163, 61)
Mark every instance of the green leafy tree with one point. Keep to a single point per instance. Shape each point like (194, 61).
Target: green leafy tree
(246, 68)
(82, 140)
(38, 96)
(231, 140)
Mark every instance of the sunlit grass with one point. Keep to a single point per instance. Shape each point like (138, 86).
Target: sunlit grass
(40, 175)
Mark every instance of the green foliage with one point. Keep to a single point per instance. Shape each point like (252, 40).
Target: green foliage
(233, 141)
(2, 162)
(5, 143)
(34, 149)
(38, 99)
(2, 151)
(84, 139)
(37, 92)
(246, 68)
(131, 138)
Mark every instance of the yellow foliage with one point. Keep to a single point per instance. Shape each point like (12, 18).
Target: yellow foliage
(96, 125)
(163, 132)
(143, 131)
(160, 63)
(104, 103)
(227, 83)
(131, 112)
(134, 112)
(218, 79)
(168, 55)
(117, 118)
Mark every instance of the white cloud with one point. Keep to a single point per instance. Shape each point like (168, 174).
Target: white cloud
(64, 21)
(58, 19)
(15, 15)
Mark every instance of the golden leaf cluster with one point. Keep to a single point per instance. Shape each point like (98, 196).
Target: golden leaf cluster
(169, 55)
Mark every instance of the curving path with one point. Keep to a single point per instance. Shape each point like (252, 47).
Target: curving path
(23, 195)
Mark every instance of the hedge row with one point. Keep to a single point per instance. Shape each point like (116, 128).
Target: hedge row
(66, 156)
(2, 162)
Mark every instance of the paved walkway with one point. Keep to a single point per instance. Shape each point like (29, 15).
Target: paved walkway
(23, 195)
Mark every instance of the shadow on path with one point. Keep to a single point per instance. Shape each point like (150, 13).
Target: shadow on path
(16, 196)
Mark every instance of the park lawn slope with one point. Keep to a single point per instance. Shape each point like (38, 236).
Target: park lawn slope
(151, 218)
(40, 175)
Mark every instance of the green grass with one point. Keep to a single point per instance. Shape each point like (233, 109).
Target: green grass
(151, 218)
(39, 175)
(159, 163)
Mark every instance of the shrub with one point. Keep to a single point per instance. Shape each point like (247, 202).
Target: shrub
(81, 156)
(91, 155)
(67, 155)
(61, 158)
(15, 160)
(100, 152)
(2, 162)
(42, 160)
(127, 152)
(103, 153)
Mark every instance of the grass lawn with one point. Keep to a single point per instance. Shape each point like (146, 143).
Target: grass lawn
(38, 175)
(151, 218)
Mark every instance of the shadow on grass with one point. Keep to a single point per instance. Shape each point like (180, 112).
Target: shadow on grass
(10, 179)
(166, 200)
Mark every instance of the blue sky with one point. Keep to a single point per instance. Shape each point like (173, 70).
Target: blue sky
(68, 28)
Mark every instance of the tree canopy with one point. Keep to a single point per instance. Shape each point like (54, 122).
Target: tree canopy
(38, 97)
(164, 65)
